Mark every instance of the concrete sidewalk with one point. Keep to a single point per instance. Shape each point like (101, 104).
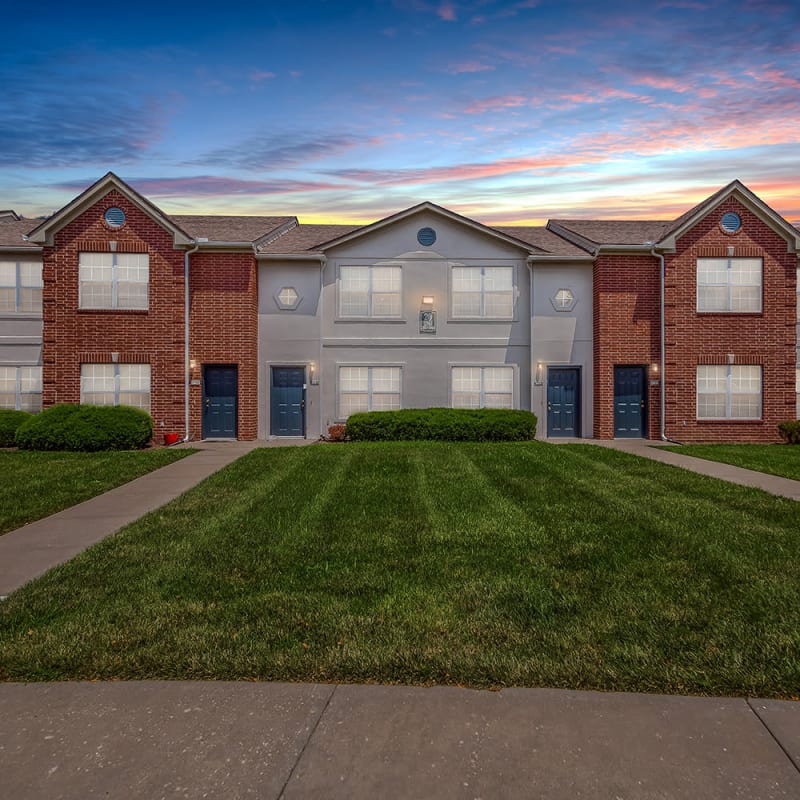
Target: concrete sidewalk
(774, 484)
(291, 741)
(33, 549)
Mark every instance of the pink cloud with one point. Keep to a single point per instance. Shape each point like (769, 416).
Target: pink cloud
(447, 12)
(495, 103)
(469, 66)
(260, 75)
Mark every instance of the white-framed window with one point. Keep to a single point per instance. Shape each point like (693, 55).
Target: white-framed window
(482, 292)
(729, 284)
(20, 287)
(114, 280)
(116, 384)
(369, 389)
(374, 291)
(728, 392)
(21, 388)
(482, 387)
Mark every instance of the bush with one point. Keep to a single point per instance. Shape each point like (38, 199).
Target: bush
(790, 431)
(336, 433)
(442, 424)
(87, 428)
(10, 421)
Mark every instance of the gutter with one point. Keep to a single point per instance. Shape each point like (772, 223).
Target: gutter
(186, 366)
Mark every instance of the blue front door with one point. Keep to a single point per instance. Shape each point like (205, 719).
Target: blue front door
(563, 401)
(630, 403)
(220, 399)
(288, 401)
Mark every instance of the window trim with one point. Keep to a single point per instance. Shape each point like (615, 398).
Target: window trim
(452, 317)
(369, 366)
(18, 287)
(728, 375)
(18, 393)
(483, 365)
(114, 284)
(728, 285)
(370, 316)
(116, 367)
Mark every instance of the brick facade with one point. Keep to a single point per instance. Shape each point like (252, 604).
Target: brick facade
(626, 322)
(767, 338)
(72, 336)
(223, 329)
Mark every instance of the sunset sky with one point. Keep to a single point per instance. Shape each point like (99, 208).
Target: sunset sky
(507, 112)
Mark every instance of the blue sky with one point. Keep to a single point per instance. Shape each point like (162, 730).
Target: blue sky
(503, 111)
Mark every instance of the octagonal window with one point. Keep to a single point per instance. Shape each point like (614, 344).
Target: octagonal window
(287, 298)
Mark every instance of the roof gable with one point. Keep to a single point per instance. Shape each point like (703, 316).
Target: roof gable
(748, 199)
(434, 209)
(43, 233)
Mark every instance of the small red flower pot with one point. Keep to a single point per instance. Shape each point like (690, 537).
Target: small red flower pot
(171, 438)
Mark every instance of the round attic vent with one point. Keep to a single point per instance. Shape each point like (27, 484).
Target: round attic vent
(115, 217)
(426, 236)
(731, 222)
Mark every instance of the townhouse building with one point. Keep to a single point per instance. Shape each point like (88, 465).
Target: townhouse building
(261, 326)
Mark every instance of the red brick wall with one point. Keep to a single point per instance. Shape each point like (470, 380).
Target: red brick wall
(766, 339)
(72, 336)
(223, 318)
(223, 329)
(626, 331)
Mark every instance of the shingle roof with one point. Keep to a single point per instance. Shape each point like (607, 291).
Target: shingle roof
(12, 230)
(614, 231)
(228, 228)
(542, 239)
(306, 238)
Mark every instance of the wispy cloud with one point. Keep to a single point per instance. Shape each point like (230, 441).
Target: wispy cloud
(258, 75)
(281, 150)
(446, 11)
(469, 66)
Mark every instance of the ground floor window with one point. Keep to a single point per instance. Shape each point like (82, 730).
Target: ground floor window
(116, 384)
(368, 389)
(482, 387)
(21, 388)
(728, 392)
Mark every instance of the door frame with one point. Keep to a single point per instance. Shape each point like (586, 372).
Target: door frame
(578, 401)
(645, 417)
(204, 397)
(284, 365)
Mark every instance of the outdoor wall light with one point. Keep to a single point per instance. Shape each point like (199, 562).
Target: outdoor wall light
(654, 368)
(539, 374)
(193, 364)
(427, 300)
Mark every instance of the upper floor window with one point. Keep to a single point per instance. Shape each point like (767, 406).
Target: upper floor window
(482, 387)
(728, 392)
(21, 388)
(21, 287)
(370, 292)
(729, 284)
(114, 280)
(116, 384)
(482, 293)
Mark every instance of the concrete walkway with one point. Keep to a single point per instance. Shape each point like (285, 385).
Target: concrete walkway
(774, 484)
(292, 741)
(33, 549)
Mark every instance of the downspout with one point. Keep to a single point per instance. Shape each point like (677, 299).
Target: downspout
(662, 415)
(186, 364)
(323, 431)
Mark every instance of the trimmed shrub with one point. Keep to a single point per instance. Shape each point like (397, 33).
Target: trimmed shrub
(10, 421)
(790, 431)
(87, 428)
(442, 424)
(336, 433)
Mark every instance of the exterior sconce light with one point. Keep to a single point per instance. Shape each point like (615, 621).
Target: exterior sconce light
(193, 364)
(539, 374)
(427, 316)
(427, 300)
(312, 374)
(654, 369)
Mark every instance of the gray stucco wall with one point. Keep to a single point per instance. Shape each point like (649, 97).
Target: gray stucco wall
(316, 336)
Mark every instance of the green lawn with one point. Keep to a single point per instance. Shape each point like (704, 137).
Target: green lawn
(775, 459)
(485, 565)
(35, 484)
